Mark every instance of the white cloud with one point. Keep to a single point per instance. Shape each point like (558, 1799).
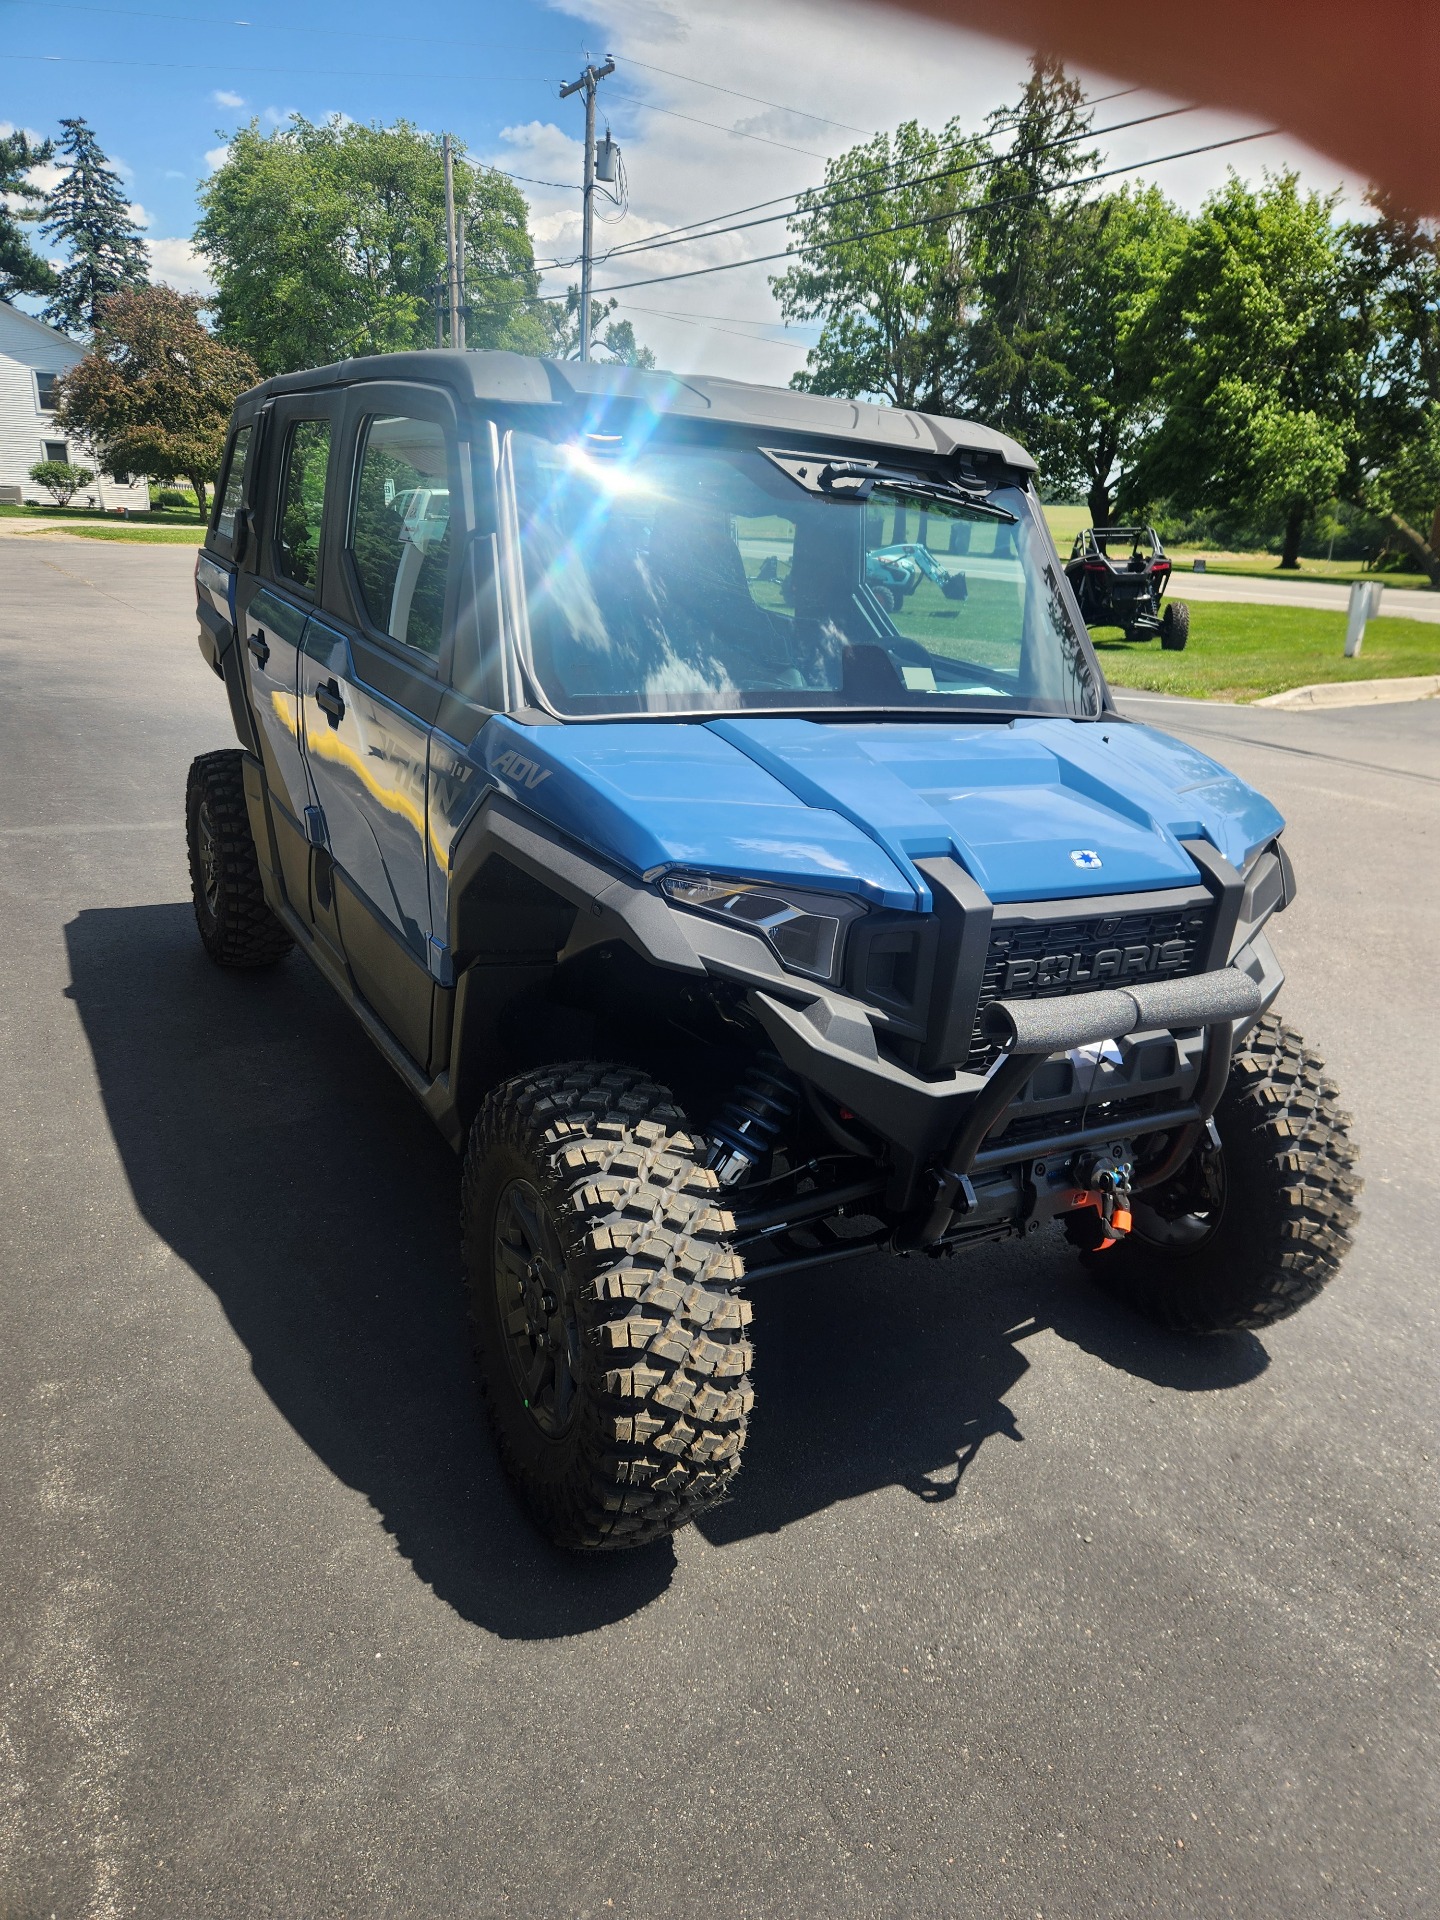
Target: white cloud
(138, 214)
(223, 97)
(868, 67)
(175, 263)
(216, 157)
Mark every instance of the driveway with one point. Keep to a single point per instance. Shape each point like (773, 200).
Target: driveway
(1020, 1610)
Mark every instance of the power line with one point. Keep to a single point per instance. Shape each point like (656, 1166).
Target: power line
(754, 98)
(696, 320)
(652, 242)
(930, 220)
(737, 133)
(693, 226)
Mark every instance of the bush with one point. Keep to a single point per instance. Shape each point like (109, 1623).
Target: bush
(165, 497)
(60, 480)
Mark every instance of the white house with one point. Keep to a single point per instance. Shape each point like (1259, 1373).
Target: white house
(32, 358)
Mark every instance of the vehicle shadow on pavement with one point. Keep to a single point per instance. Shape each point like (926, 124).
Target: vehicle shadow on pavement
(271, 1148)
(894, 1373)
(268, 1144)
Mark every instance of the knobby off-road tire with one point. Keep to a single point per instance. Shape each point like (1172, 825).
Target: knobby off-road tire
(1175, 626)
(1284, 1202)
(236, 927)
(612, 1353)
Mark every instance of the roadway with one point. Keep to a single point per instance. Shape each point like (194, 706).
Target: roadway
(1020, 1610)
(1264, 590)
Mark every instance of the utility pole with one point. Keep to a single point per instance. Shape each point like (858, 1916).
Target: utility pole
(452, 255)
(589, 80)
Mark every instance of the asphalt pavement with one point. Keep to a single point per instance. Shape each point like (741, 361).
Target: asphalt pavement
(1020, 1609)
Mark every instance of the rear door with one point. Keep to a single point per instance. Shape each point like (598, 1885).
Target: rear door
(371, 681)
(274, 603)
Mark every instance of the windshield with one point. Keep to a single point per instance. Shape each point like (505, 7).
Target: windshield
(688, 578)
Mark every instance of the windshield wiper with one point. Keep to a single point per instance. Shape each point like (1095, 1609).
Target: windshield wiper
(858, 479)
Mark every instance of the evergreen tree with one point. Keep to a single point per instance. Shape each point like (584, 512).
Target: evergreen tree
(1028, 239)
(21, 268)
(89, 213)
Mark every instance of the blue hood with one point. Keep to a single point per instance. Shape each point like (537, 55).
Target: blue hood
(852, 807)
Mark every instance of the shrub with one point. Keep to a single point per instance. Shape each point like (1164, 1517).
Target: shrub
(60, 480)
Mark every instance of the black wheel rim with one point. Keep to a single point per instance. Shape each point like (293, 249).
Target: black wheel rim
(538, 1322)
(207, 851)
(1186, 1213)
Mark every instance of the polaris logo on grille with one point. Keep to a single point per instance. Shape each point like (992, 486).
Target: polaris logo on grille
(1113, 964)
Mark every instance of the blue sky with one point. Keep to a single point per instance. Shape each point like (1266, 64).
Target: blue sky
(716, 103)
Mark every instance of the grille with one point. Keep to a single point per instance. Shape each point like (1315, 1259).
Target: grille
(1050, 959)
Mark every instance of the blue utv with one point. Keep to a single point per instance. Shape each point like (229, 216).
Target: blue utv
(708, 801)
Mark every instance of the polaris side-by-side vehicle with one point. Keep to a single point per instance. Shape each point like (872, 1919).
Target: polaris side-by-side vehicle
(708, 801)
(1119, 576)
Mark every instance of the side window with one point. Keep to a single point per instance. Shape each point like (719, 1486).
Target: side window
(400, 528)
(45, 391)
(234, 487)
(302, 500)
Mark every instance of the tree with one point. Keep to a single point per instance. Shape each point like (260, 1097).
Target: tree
(155, 392)
(1255, 362)
(1394, 268)
(882, 264)
(1028, 240)
(1124, 247)
(21, 268)
(614, 338)
(88, 212)
(327, 240)
(60, 480)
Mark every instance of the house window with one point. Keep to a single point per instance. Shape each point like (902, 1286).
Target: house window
(45, 391)
(121, 479)
(56, 450)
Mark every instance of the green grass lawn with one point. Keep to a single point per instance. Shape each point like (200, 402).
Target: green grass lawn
(1243, 653)
(74, 518)
(154, 536)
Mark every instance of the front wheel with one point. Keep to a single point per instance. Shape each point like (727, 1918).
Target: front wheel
(611, 1348)
(1175, 626)
(1246, 1234)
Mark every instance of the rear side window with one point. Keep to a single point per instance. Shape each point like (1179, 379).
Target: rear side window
(400, 528)
(302, 500)
(234, 488)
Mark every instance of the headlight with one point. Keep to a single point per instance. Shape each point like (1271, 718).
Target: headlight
(805, 931)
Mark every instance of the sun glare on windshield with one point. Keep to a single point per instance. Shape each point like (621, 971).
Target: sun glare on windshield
(669, 578)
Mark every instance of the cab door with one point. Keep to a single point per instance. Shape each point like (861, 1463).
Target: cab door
(371, 682)
(272, 606)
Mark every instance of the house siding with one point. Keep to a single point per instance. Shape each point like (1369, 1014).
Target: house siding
(28, 347)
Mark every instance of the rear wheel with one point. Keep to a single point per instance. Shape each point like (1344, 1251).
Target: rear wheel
(1246, 1234)
(1175, 626)
(237, 928)
(611, 1348)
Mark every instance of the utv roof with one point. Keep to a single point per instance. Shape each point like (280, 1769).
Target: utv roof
(519, 380)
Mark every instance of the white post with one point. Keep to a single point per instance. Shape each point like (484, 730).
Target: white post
(1364, 605)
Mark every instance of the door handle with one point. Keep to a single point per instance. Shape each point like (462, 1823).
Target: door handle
(330, 701)
(259, 646)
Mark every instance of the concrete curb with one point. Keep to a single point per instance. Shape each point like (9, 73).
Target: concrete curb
(1357, 693)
